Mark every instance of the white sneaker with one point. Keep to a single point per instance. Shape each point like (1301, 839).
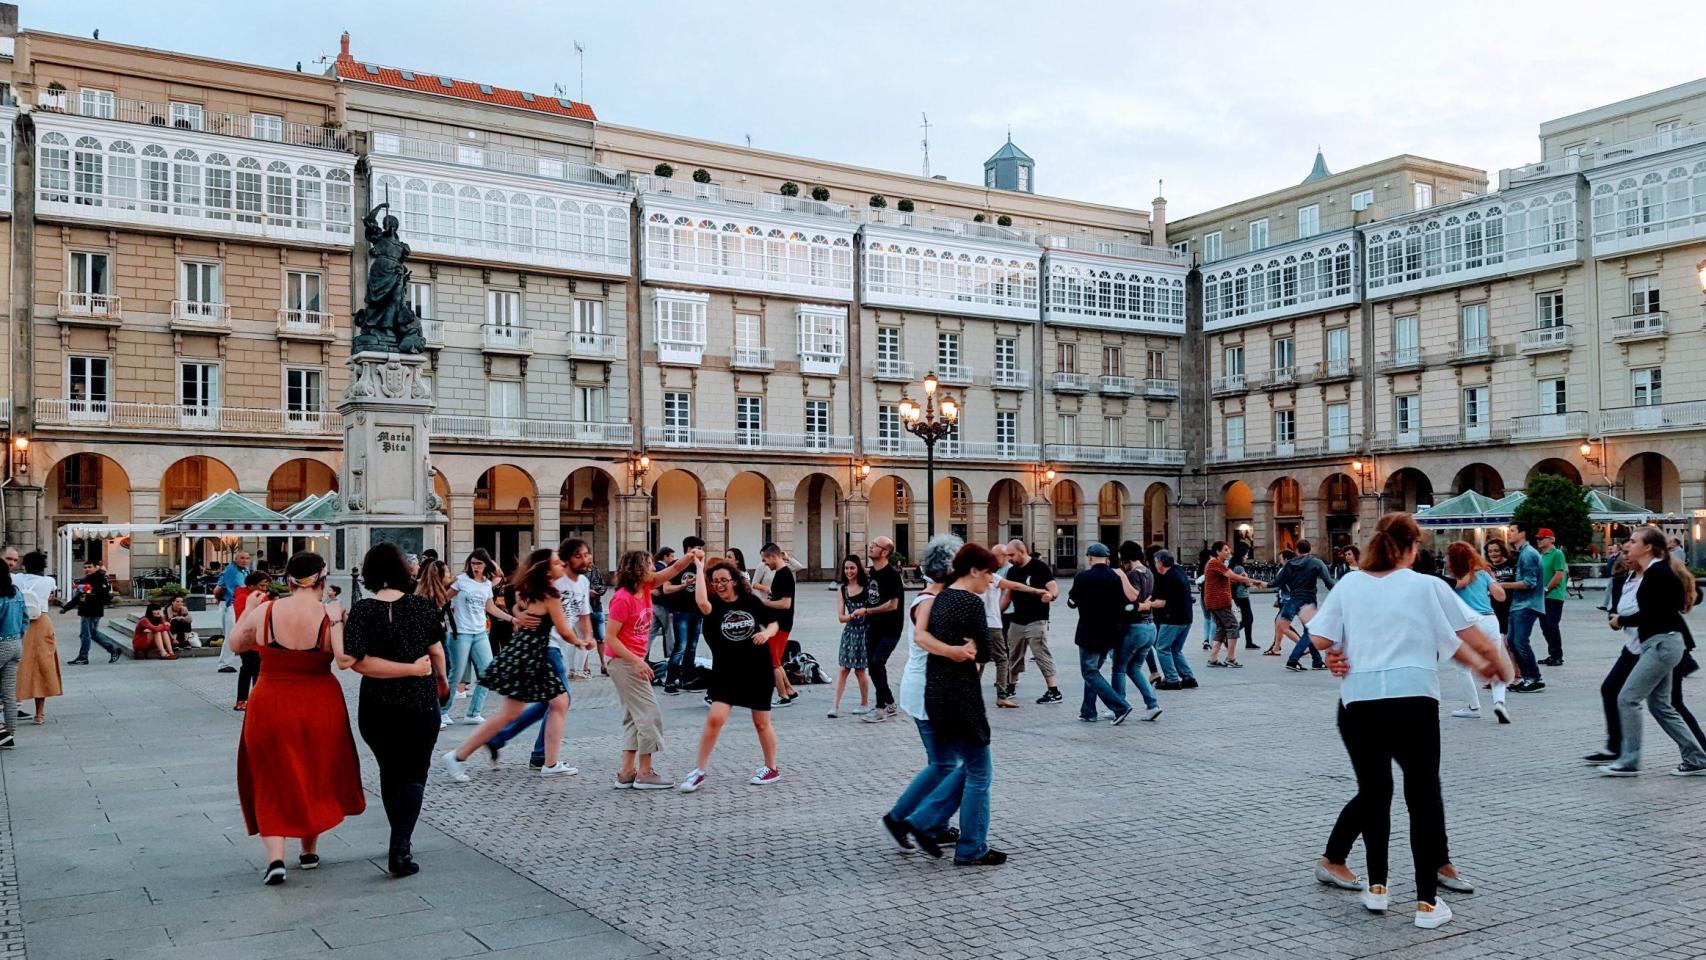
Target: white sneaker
(461, 694)
(765, 776)
(1437, 917)
(1375, 898)
(1502, 712)
(558, 769)
(1150, 714)
(473, 719)
(455, 767)
(694, 781)
(444, 721)
(1467, 713)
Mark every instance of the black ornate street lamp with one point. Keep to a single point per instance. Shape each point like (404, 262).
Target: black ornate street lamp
(930, 422)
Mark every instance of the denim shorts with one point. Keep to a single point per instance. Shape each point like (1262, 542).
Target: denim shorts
(1290, 606)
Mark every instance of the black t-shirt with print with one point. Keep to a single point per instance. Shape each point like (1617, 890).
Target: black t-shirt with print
(886, 585)
(782, 588)
(741, 673)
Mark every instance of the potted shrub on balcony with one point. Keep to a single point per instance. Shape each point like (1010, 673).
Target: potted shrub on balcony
(790, 189)
(820, 194)
(905, 206)
(979, 218)
(701, 175)
(878, 201)
(663, 170)
(1004, 221)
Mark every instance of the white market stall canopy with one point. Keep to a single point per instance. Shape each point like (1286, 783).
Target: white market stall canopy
(1470, 509)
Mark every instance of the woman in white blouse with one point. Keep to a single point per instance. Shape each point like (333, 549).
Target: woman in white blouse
(1387, 627)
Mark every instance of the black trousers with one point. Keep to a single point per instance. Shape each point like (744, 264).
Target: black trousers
(1613, 684)
(1246, 620)
(248, 673)
(881, 648)
(1377, 733)
(401, 740)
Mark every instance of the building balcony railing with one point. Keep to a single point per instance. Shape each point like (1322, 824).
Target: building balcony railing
(433, 331)
(171, 417)
(821, 364)
(1231, 383)
(1334, 368)
(594, 346)
(1545, 339)
(683, 353)
(1280, 378)
(1010, 378)
(949, 449)
(507, 339)
(75, 306)
(1105, 247)
(549, 168)
(1118, 386)
(716, 193)
(1400, 360)
(888, 368)
(1587, 159)
(694, 437)
(957, 374)
(518, 430)
(925, 223)
(750, 358)
(247, 126)
(1473, 350)
(199, 315)
(1653, 417)
(1641, 326)
(1065, 381)
(1550, 426)
(1088, 453)
(305, 324)
(1160, 388)
(1315, 447)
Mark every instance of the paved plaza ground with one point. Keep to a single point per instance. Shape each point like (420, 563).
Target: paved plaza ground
(1189, 837)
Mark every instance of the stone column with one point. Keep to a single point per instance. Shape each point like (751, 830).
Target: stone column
(548, 522)
(24, 525)
(978, 522)
(1368, 514)
(1089, 527)
(633, 515)
(461, 525)
(716, 534)
(385, 490)
(1131, 521)
(1261, 527)
(1039, 525)
(856, 514)
(782, 514)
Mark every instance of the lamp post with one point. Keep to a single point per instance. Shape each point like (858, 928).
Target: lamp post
(638, 466)
(930, 422)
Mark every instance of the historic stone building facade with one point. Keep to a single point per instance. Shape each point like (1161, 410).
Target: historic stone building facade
(635, 336)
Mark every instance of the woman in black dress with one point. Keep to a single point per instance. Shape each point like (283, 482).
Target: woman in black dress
(523, 673)
(738, 627)
(958, 640)
(394, 640)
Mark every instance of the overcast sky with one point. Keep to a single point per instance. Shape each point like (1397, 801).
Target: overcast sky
(1221, 100)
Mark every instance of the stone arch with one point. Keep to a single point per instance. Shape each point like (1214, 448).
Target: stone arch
(506, 499)
(1066, 512)
(1651, 480)
(1481, 478)
(441, 486)
(1285, 506)
(1406, 489)
(1006, 510)
(891, 513)
(88, 487)
(1157, 514)
(749, 513)
(1339, 507)
(190, 480)
(677, 509)
(1111, 501)
(1554, 466)
(586, 511)
(953, 506)
(818, 525)
(1240, 512)
(295, 480)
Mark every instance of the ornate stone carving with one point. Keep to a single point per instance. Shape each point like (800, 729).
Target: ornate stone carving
(388, 379)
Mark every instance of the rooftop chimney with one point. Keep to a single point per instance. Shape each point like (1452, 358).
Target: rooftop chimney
(1158, 222)
(343, 49)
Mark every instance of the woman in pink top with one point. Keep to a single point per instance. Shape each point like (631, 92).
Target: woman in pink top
(627, 637)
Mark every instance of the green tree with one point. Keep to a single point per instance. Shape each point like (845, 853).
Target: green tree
(1561, 504)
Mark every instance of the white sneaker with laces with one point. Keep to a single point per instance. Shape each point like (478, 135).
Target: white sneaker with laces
(1437, 917)
(473, 719)
(455, 767)
(765, 775)
(461, 694)
(558, 769)
(1467, 713)
(1502, 712)
(694, 781)
(444, 721)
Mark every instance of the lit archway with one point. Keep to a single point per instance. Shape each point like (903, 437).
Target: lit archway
(1652, 481)
(1240, 512)
(192, 480)
(504, 499)
(891, 513)
(91, 488)
(1157, 518)
(749, 514)
(1066, 507)
(1110, 514)
(1554, 467)
(1407, 489)
(817, 525)
(953, 507)
(586, 508)
(1480, 478)
(1285, 497)
(296, 480)
(677, 510)
(1339, 494)
(1006, 511)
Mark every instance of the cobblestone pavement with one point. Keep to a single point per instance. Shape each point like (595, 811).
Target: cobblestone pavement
(1189, 837)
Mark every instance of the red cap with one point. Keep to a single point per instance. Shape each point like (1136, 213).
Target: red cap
(1544, 533)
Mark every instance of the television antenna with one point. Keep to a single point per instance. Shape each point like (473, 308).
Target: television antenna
(580, 57)
(926, 126)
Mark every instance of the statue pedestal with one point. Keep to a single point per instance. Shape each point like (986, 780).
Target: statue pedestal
(385, 490)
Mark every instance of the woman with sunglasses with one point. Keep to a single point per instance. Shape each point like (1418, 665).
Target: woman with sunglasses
(738, 627)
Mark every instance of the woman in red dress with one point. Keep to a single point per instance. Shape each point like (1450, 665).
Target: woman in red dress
(297, 773)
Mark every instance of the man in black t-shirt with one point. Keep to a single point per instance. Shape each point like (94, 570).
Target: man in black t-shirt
(684, 620)
(885, 620)
(780, 598)
(1028, 628)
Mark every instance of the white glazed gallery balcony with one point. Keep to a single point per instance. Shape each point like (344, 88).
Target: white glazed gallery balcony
(756, 440)
(1472, 239)
(455, 427)
(1114, 284)
(1682, 415)
(169, 417)
(1010, 378)
(76, 306)
(300, 324)
(933, 264)
(1303, 276)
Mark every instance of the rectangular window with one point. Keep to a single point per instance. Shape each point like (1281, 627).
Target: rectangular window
(1474, 327)
(1258, 234)
(1232, 362)
(503, 399)
(677, 416)
(1066, 357)
(1308, 221)
(200, 284)
(1648, 387)
(266, 126)
(823, 336)
(88, 385)
(1285, 426)
(186, 116)
(681, 322)
(1424, 195)
(1182, 248)
(1406, 338)
(817, 424)
(89, 273)
(1338, 420)
(1644, 294)
(387, 143)
(304, 393)
(1554, 396)
(302, 291)
(198, 390)
(589, 316)
(1211, 247)
(1113, 432)
(1157, 429)
(1475, 410)
(470, 156)
(947, 350)
(888, 428)
(420, 297)
(1549, 308)
(1066, 429)
(1362, 200)
(888, 344)
(1285, 354)
(589, 404)
(1155, 365)
(1006, 432)
(503, 307)
(1006, 354)
(749, 420)
(1406, 414)
(1233, 428)
(1113, 362)
(98, 103)
(1338, 346)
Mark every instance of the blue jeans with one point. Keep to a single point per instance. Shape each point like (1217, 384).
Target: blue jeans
(940, 771)
(91, 633)
(1549, 628)
(971, 797)
(466, 654)
(1136, 646)
(1170, 649)
(686, 627)
(1522, 620)
(1096, 685)
(1304, 642)
(598, 618)
(534, 713)
(1207, 622)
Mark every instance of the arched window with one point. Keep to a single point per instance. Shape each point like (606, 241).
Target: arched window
(497, 219)
(88, 185)
(55, 173)
(249, 190)
(186, 184)
(468, 217)
(521, 222)
(122, 185)
(156, 179)
(216, 187)
(545, 225)
(281, 201)
(444, 213)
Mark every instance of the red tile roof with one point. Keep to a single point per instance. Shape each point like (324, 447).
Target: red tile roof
(349, 68)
